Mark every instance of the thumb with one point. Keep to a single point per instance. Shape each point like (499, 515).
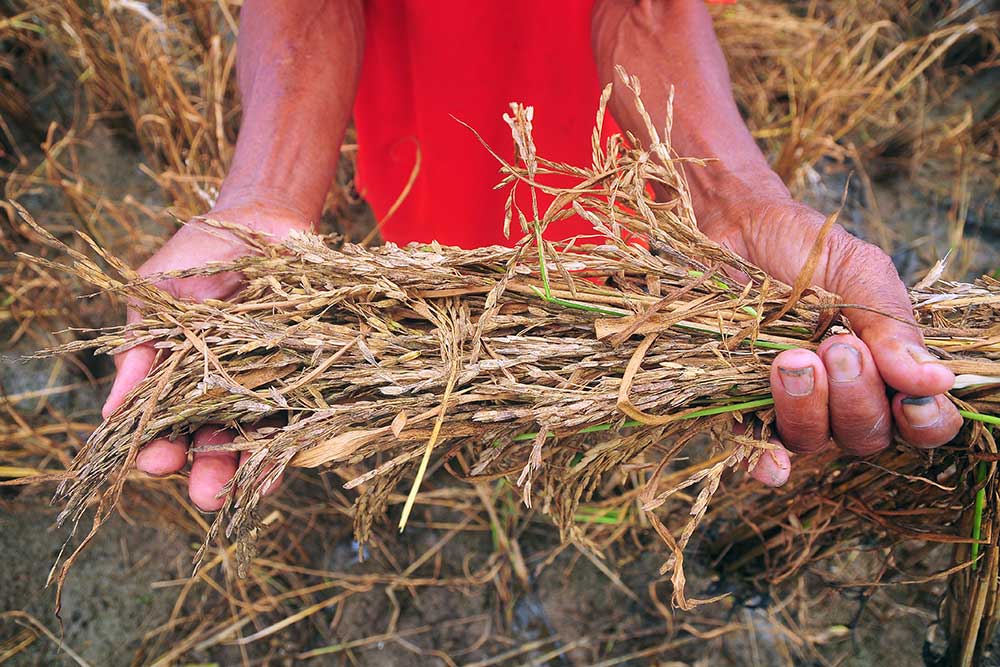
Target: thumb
(191, 246)
(132, 367)
(864, 275)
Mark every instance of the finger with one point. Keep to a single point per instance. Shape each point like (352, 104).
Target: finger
(863, 274)
(133, 367)
(859, 410)
(273, 486)
(211, 471)
(926, 421)
(799, 388)
(162, 457)
(773, 466)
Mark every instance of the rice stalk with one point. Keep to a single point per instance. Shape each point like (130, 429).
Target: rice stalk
(374, 359)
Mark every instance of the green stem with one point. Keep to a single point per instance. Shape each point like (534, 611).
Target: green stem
(977, 514)
(575, 304)
(718, 410)
(975, 416)
(749, 310)
(611, 517)
(767, 345)
(707, 412)
(546, 296)
(541, 261)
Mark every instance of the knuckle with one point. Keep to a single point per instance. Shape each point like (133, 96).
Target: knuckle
(802, 434)
(856, 267)
(805, 445)
(845, 249)
(863, 435)
(797, 422)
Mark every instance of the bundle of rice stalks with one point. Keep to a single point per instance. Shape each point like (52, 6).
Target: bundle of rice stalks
(547, 363)
(153, 59)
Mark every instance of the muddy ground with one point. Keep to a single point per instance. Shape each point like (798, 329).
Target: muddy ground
(123, 589)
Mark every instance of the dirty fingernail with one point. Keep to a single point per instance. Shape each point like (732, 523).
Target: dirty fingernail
(921, 411)
(797, 381)
(843, 363)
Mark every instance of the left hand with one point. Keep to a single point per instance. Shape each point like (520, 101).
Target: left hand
(839, 393)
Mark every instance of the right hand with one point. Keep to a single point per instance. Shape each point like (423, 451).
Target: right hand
(192, 246)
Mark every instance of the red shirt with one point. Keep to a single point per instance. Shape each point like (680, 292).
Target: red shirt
(425, 62)
(428, 60)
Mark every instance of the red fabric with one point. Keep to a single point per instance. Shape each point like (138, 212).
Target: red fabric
(425, 62)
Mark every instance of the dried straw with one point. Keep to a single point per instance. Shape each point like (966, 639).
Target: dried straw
(549, 362)
(858, 82)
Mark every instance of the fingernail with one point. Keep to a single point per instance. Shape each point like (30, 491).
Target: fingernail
(797, 381)
(843, 363)
(922, 356)
(921, 411)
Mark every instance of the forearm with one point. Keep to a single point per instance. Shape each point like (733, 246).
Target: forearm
(672, 43)
(298, 64)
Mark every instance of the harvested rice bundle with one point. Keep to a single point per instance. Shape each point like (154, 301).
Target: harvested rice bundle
(551, 363)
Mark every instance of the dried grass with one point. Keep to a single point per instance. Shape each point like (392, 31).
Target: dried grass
(168, 74)
(516, 356)
(825, 80)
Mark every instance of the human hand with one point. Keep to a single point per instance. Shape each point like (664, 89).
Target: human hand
(192, 246)
(838, 393)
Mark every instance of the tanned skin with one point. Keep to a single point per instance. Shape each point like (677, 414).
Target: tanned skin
(299, 62)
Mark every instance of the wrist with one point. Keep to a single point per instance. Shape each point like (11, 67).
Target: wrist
(266, 210)
(257, 213)
(716, 188)
(275, 199)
